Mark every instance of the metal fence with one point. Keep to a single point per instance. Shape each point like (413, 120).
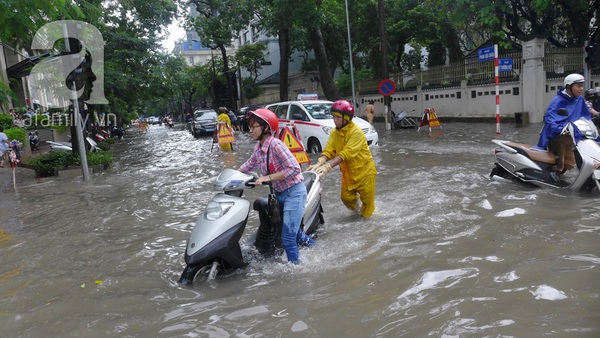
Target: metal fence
(557, 63)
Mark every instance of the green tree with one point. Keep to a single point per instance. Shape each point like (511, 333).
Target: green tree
(131, 57)
(251, 57)
(298, 26)
(564, 23)
(216, 23)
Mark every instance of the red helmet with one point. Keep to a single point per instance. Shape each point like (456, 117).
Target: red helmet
(343, 107)
(268, 116)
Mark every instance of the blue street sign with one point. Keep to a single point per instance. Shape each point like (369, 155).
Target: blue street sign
(485, 54)
(386, 87)
(505, 65)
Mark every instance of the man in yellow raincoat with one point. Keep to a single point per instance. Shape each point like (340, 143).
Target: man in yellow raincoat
(224, 118)
(347, 147)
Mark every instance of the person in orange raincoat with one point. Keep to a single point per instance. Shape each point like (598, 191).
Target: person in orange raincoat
(347, 147)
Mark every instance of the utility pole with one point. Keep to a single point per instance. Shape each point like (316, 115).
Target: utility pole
(77, 120)
(354, 103)
(385, 72)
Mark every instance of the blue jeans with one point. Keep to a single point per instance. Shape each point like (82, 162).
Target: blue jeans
(293, 201)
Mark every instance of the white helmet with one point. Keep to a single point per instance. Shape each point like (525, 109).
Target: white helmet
(573, 78)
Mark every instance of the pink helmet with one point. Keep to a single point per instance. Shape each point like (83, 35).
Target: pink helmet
(343, 107)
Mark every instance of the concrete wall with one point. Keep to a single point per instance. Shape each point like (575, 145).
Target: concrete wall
(458, 102)
(476, 102)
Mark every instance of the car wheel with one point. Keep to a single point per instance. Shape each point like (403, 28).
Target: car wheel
(314, 147)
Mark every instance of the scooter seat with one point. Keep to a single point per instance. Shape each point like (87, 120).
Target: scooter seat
(544, 156)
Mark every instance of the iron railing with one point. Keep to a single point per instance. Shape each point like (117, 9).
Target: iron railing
(557, 63)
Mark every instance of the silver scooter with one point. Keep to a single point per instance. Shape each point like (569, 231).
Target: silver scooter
(213, 247)
(527, 164)
(66, 146)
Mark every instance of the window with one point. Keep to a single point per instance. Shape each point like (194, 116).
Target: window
(281, 111)
(296, 113)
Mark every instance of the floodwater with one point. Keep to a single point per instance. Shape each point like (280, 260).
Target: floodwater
(448, 253)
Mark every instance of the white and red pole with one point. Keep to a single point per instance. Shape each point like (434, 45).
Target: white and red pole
(497, 79)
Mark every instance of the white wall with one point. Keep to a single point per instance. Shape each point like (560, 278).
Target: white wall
(458, 102)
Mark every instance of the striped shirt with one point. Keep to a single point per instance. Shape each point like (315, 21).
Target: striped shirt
(281, 160)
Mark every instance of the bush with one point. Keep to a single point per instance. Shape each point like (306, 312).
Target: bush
(6, 121)
(47, 164)
(104, 145)
(104, 158)
(16, 134)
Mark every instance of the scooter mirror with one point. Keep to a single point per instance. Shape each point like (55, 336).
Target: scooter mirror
(563, 112)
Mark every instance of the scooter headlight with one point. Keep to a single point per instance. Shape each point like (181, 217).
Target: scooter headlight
(216, 210)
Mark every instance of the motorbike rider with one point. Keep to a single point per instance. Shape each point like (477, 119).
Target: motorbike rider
(34, 140)
(555, 134)
(286, 176)
(348, 148)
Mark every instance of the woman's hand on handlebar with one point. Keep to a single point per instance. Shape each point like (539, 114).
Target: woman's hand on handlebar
(263, 180)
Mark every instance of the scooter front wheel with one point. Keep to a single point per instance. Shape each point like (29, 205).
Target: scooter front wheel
(195, 273)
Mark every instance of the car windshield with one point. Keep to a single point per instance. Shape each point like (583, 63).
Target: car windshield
(320, 111)
(205, 115)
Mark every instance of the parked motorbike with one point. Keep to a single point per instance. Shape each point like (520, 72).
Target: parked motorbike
(15, 146)
(402, 120)
(34, 140)
(117, 132)
(66, 146)
(527, 164)
(213, 247)
(101, 135)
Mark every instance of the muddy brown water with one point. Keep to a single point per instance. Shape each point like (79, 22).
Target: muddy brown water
(448, 253)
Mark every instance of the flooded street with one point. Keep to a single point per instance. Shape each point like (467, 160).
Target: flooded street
(448, 252)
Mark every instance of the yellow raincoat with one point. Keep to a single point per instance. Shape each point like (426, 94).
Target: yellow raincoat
(357, 167)
(223, 117)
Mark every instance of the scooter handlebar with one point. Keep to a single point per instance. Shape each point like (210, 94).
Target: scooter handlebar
(253, 183)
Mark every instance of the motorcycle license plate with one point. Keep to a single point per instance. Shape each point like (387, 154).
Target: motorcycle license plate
(597, 174)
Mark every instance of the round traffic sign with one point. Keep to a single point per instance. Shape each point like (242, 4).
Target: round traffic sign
(387, 87)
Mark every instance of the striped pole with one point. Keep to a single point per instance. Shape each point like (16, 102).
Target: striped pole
(497, 89)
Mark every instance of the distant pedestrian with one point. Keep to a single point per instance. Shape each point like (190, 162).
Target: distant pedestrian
(591, 96)
(370, 109)
(234, 120)
(3, 146)
(223, 121)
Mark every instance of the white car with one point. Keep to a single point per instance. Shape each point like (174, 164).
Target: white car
(314, 122)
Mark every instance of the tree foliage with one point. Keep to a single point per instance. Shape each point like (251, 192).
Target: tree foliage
(139, 77)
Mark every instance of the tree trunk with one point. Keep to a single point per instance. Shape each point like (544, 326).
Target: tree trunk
(325, 72)
(284, 63)
(231, 85)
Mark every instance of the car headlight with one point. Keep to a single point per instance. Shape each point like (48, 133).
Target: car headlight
(327, 129)
(215, 210)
